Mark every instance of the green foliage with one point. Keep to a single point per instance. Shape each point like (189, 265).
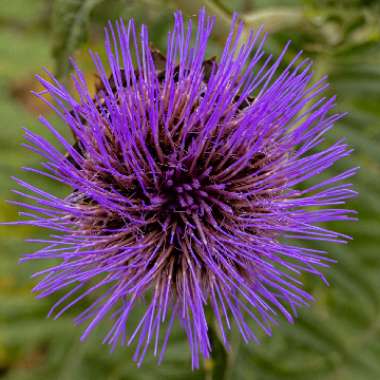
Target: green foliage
(70, 18)
(338, 337)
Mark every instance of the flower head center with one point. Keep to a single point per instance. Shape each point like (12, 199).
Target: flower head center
(180, 192)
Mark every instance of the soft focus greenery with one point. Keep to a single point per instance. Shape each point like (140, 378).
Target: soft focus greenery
(338, 337)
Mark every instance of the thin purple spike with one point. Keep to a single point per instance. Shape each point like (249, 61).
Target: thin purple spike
(187, 180)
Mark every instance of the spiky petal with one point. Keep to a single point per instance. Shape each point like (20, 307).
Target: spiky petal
(185, 187)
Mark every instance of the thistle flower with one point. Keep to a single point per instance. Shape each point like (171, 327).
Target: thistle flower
(186, 193)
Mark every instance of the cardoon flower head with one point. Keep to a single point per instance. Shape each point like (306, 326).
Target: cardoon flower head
(186, 193)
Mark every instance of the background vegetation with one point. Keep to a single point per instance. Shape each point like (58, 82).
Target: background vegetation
(338, 337)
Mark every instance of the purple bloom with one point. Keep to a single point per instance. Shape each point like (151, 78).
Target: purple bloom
(185, 188)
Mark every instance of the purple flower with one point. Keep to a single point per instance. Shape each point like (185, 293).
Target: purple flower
(186, 193)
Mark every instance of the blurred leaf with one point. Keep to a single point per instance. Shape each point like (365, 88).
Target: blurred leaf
(70, 18)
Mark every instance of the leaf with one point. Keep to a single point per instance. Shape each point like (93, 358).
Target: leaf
(70, 18)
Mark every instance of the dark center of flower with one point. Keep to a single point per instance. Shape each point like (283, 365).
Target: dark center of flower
(180, 195)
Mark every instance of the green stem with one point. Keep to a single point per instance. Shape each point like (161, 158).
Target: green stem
(216, 366)
(274, 19)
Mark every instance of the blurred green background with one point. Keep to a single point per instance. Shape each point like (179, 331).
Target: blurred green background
(338, 337)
